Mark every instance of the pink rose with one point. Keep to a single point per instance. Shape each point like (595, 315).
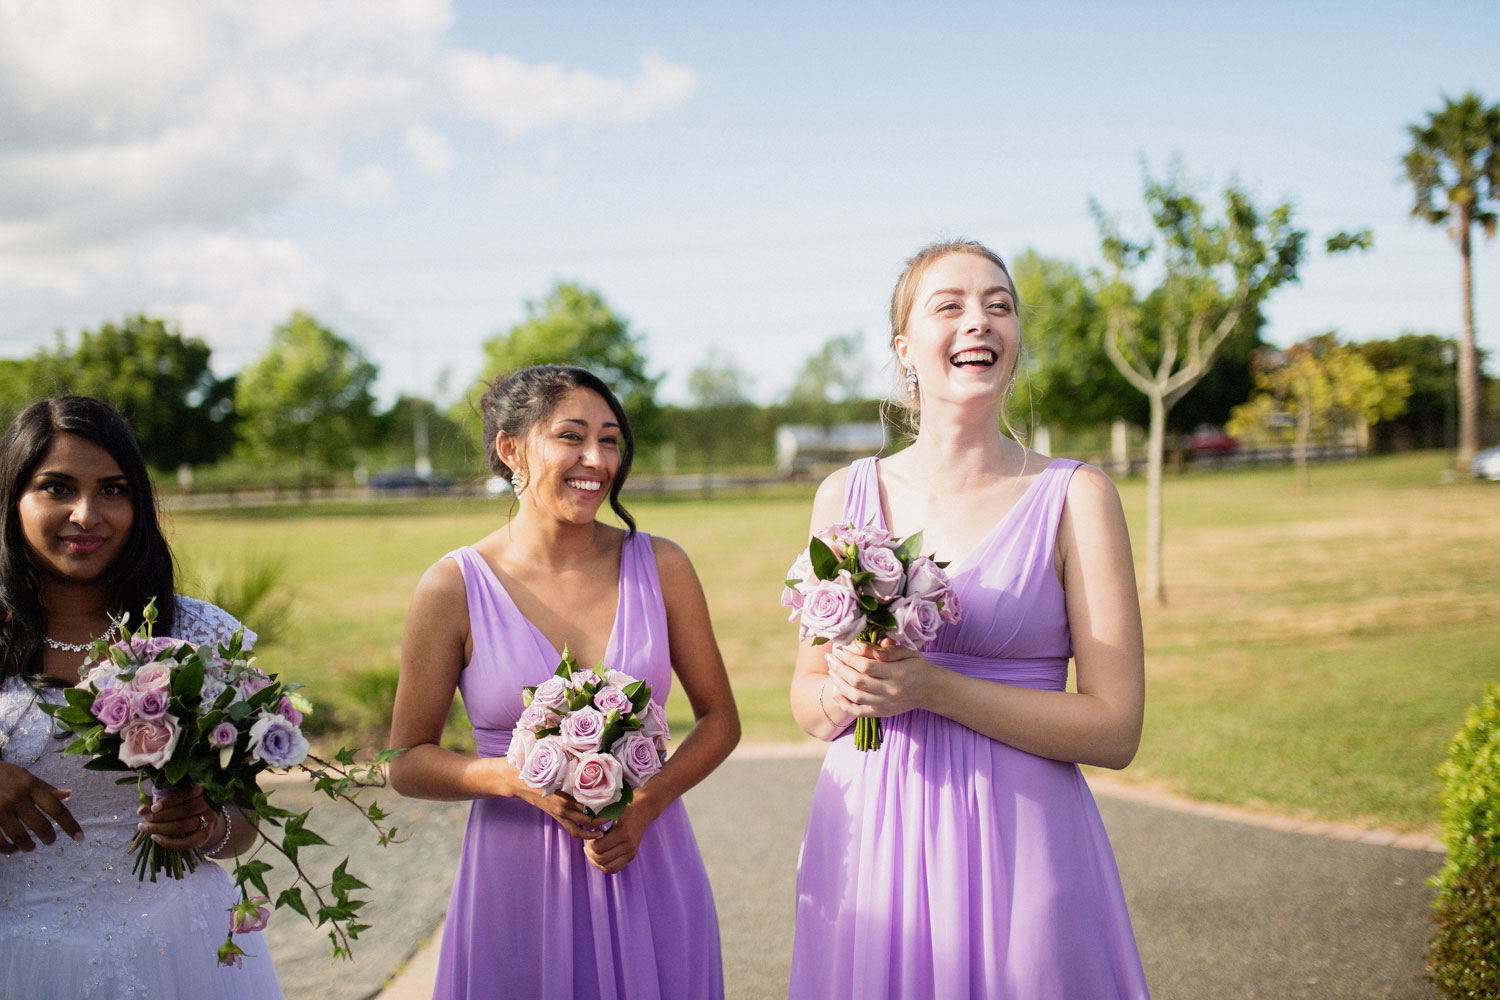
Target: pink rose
(277, 742)
(917, 622)
(792, 598)
(141, 648)
(869, 535)
(534, 717)
(114, 707)
(583, 730)
(223, 735)
(252, 683)
(611, 699)
(250, 915)
(151, 703)
(153, 676)
(547, 766)
(551, 694)
(595, 780)
(148, 742)
(832, 611)
(288, 711)
(886, 565)
(619, 678)
(521, 743)
(637, 754)
(832, 536)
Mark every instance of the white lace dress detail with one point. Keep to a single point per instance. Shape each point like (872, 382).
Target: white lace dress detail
(74, 920)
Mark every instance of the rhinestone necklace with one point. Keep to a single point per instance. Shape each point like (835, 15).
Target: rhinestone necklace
(68, 647)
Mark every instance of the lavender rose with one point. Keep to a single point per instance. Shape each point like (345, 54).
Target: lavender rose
(547, 765)
(114, 707)
(223, 735)
(151, 703)
(583, 730)
(832, 611)
(288, 711)
(654, 721)
(619, 678)
(637, 754)
(148, 742)
(102, 677)
(535, 718)
(611, 699)
(551, 694)
(595, 780)
(868, 535)
(277, 742)
(917, 622)
(886, 565)
(925, 579)
(213, 686)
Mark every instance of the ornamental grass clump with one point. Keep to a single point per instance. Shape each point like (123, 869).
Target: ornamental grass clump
(1464, 958)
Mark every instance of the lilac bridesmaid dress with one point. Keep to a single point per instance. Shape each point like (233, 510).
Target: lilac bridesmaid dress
(529, 916)
(947, 864)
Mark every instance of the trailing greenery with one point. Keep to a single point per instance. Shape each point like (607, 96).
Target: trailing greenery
(1464, 958)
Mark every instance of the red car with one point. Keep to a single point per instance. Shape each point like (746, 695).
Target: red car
(1210, 440)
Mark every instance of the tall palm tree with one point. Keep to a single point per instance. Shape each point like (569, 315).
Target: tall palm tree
(1454, 167)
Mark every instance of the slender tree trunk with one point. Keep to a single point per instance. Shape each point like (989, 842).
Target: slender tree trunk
(1155, 446)
(1299, 450)
(1468, 358)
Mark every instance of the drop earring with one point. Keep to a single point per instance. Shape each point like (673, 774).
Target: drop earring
(518, 481)
(911, 383)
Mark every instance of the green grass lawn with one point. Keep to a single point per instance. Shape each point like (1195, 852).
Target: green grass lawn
(1315, 654)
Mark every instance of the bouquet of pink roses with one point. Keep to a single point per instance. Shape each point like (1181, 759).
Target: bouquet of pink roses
(862, 585)
(595, 734)
(173, 713)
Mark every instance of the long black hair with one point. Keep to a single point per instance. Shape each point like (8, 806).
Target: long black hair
(141, 571)
(518, 402)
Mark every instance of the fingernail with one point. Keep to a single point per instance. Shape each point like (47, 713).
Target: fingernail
(78, 837)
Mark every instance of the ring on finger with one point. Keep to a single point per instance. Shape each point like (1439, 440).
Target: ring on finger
(202, 821)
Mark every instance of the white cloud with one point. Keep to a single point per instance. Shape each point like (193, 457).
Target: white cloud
(429, 149)
(367, 184)
(521, 98)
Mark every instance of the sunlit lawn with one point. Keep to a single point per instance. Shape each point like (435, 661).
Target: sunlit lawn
(1315, 654)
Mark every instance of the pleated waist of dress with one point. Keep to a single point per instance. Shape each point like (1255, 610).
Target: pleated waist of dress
(1047, 673)
(491, 742)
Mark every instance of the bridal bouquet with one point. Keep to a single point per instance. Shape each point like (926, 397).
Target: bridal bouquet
(863, 585)
(173, 713)
(595, 734)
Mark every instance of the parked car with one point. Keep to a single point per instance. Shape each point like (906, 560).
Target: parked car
(1486, 464)
(408, 481)
(1210, 440)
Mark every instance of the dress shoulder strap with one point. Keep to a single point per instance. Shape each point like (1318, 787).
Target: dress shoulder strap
(862, 494)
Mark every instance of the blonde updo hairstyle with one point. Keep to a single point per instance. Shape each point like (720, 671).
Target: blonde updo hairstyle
(903, 299)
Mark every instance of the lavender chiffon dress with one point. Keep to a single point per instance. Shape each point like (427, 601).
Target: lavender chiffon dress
(947, 864)
(529, 916)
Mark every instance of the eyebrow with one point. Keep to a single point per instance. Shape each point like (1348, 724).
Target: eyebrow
(584, 423)
(959, 291)
(53, 474)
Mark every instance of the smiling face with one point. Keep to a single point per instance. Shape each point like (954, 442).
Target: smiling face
(962, 334)
(75, 510)
(570, 457)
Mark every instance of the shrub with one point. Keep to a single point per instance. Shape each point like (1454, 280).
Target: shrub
(1464, 958)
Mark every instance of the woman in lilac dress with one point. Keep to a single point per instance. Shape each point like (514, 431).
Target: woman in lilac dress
(965, 857)
(548, 902)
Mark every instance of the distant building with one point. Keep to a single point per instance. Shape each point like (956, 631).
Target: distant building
(801, 447)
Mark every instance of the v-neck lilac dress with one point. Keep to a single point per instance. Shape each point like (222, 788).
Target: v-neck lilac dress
(947, 864)
(529, 916)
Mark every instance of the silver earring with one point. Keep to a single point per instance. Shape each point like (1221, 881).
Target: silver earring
(518, 480)
(911, 383)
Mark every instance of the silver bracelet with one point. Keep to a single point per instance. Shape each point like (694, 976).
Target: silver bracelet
(825, 707)
(228, 829)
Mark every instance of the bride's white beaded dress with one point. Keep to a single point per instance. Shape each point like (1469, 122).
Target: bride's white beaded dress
(74, 920)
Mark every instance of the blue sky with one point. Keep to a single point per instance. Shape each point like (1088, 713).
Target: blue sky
(745, 180)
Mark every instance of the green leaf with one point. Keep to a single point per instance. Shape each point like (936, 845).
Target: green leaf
(824, 563)
(176, 770)
(253, 872)
(187, 680)
(910, 548)
(881, 619)
(79, 698)
(293, 898)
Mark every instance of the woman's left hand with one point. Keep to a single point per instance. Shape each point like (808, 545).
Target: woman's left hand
(618, 846)
(881, 680)
(180, 819)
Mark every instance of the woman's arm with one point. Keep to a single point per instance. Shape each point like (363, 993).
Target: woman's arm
(434, 647)
(817, 705)
(1098, 724)
(29, 807)
(716, 721)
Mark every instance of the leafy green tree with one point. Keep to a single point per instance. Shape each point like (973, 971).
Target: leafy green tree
(719, 391)
(1213, 275)
(832, 374)
(181, 412)
(573, 325)
(309, 398)
(1454, 169)
(1321, 386)
(1431, 409)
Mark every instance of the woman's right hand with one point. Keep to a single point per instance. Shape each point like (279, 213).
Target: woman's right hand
(28, 805)
(568, 813)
